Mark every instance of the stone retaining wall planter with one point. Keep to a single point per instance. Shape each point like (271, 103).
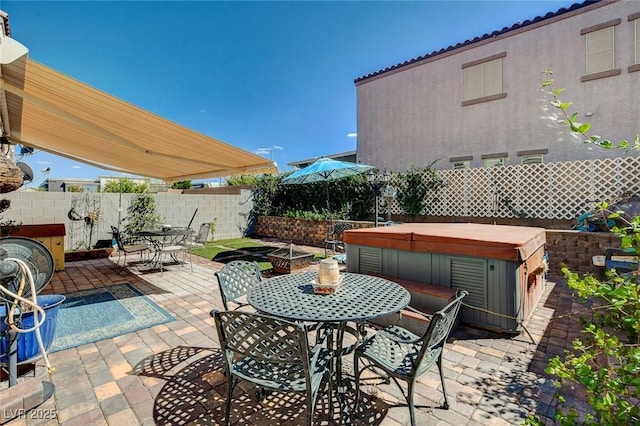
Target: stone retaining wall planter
(74, 256)
(574, 249)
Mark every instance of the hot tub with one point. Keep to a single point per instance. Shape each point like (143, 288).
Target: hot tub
(502, 267)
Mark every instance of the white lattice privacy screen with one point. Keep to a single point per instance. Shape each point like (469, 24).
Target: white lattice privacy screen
(545, 191)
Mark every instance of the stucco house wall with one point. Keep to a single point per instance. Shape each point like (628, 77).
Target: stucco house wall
(412, 114)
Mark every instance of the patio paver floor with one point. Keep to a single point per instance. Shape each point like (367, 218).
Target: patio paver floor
(172, 373)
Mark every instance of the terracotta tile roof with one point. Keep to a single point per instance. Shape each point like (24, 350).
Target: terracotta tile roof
(478, 39)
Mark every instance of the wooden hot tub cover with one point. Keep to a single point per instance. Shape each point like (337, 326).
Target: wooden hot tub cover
(505, 242)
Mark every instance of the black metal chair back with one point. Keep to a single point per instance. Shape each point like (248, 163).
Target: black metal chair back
(272, 353)
(403, 355)
(235, 279)
(124, 249)
(334, 238)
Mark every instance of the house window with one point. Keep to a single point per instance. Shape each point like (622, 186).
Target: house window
(483, 80)
(599, 50)
(531, 159)
(461, 162)
(532, 156)
(494, 162)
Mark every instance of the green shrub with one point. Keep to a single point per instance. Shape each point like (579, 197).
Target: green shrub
(142, 215)
(418, 189)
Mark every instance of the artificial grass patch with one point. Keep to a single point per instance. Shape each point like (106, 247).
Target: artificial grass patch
(248, 249)
(237, 249)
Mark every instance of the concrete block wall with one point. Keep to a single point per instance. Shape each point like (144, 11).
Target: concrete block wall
(231, 211)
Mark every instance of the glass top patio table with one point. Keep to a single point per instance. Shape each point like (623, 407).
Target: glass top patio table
(358, 298)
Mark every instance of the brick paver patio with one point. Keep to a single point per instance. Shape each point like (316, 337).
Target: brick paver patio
(172, 373)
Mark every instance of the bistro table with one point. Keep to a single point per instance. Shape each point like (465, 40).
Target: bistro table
(358, 298)
(165, 241)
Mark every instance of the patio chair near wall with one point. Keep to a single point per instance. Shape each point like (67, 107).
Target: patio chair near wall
(333, 239)
(273, 354)
(173, 248)
(200, 239)
(125, 249)
(235, 279)
(405, 356)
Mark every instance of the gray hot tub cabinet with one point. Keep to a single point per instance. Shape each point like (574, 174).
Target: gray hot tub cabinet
(502, 267)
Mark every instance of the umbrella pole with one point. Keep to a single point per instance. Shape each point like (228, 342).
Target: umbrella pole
(328, 207)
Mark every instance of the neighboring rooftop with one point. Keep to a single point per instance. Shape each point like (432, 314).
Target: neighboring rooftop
(349, 156)
(466, 43)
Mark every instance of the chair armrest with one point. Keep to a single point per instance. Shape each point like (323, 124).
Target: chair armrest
(414, 310)
(401, 335)
(410, 326)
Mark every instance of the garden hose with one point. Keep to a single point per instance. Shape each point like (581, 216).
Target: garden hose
(37, 310)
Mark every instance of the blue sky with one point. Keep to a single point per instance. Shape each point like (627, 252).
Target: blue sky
(252, 74)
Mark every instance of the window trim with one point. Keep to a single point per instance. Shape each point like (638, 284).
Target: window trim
(484, 99)
(483, 60)
(602, 26)
(599, 75)
(532, 152)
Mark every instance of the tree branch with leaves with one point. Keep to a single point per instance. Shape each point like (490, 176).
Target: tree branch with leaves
(605, 361)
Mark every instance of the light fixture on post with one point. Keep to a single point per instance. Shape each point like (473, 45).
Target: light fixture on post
(376, 186)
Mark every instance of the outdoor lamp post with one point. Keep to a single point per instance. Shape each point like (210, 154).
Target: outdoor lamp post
(377, 182)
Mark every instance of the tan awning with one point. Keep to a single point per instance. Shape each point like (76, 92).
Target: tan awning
(45, 109)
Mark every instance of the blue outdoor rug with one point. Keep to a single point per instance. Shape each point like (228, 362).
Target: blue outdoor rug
(89, 316)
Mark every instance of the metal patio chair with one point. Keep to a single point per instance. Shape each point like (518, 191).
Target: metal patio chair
(125, 249)
(173, 248)
(272, 353)
(235, 279)
(333, 238)
(200, 239)
(403, 355)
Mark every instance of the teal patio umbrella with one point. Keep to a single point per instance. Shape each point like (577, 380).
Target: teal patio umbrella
(325, 169)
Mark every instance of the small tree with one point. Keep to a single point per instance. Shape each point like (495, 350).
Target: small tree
(142, 215)
(125, 186)
(267, 190)
(185, 184)
(249, 180)
(75, 188)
